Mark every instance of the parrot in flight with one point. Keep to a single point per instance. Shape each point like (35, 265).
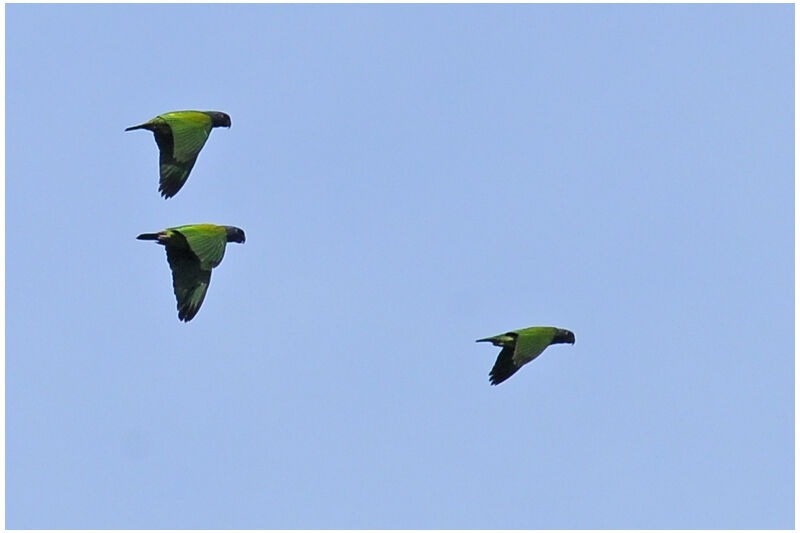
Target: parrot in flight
(522, 346)
(192, 252)
(180, 135)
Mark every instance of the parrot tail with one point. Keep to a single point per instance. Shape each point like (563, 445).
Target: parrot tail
(148, 237)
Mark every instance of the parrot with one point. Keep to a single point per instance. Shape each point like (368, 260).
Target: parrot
(192, 252)
(180, 135)
(522, 346)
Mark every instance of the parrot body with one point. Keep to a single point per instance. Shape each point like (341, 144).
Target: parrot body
(180, 135)
(522, 346)
(192, 252)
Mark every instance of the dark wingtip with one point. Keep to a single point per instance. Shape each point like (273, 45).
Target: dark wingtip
(495, 379)
(504, 367)
(187, 312)
(185, 315)
(167, 194)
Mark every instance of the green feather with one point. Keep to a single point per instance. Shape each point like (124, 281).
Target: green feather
(180, 136)
(521, 346)
(192, 252)
(206, 241)
(190, 130)
(531, 342)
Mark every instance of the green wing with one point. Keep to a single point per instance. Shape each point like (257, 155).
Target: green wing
(173, 174)
(531, 342)
(189, 281)
(179, 144)
(190, 130)
(206, 241)
(519, 347)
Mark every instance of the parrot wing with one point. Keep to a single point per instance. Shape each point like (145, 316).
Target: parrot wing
(189, 281)
(207, 242)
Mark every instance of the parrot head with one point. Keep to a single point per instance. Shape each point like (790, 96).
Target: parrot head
(219, 118)
(563, 336)
(235, 234)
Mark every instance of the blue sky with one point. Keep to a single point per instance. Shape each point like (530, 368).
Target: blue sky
(411, 178)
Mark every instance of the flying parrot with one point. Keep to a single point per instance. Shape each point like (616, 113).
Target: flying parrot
(522, 346)
(180, 135)
(192, 252)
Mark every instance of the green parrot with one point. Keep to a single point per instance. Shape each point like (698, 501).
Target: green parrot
(180, 135)
(522, 346)
(192, 252)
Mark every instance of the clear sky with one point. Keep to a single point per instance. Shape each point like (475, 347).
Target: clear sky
(410, 178)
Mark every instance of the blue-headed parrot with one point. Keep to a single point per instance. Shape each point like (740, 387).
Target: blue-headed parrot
(192, 252)
(180, 135)
(522, 346)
